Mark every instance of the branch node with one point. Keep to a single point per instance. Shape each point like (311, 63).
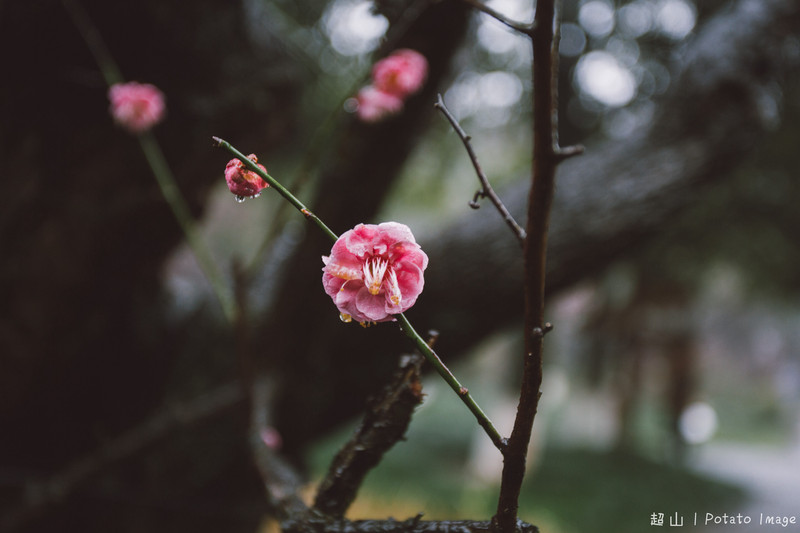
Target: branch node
(526, 29)
(567, 152)
(433, 336)
(474, 204)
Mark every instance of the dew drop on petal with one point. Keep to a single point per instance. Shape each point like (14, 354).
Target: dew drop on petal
(344, 317)
(239, 199)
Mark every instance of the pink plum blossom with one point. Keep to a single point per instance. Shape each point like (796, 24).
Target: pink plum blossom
(270, 437)
(374, 104)
(402, 73)
(374, 272)
(242, 182)
(137, 107)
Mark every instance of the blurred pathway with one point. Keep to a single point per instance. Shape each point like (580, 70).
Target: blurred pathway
(770, 475)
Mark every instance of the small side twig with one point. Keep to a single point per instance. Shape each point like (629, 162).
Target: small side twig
(521, 27)
(384, 424)
(486, 190)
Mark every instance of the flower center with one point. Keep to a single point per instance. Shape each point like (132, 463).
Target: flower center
(374, 270)
(394, 288)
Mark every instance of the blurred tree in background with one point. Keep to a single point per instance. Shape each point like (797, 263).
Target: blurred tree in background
(688, 110)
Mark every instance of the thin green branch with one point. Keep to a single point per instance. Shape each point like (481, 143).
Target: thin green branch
(452, 381)
(177, 203)
(283, 191)
(95, 43)
(158, 164)
(403, 322)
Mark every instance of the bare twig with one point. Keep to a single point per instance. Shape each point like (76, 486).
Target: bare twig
(486, 190)
(385, 423)
(527, 29)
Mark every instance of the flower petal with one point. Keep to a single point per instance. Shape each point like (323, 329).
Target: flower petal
(371, 306)
(345, 300)
(331, 284)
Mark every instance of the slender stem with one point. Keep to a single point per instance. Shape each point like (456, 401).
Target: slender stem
(546, 156)
(158, 164)
(452, 381)
(405, 325)
(486, 188)
(177, 203)
(283, 191)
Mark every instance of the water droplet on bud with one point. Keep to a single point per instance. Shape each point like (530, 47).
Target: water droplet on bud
(240, 199)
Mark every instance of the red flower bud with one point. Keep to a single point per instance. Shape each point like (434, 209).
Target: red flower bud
(242, 182)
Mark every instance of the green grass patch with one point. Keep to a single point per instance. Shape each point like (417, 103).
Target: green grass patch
(588, 491)
(571, 491)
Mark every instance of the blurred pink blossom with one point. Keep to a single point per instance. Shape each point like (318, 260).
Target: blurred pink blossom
(374, 104)
(137, 107)
(374, 272)
(402, 73)
(271, 438)
(242, 182)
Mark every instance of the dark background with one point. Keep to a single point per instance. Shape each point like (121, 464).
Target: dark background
(675, 235)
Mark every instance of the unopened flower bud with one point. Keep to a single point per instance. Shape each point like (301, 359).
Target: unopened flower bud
(243, 182)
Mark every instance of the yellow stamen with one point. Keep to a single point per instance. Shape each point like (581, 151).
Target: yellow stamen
(374, 270)
(394, 288)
